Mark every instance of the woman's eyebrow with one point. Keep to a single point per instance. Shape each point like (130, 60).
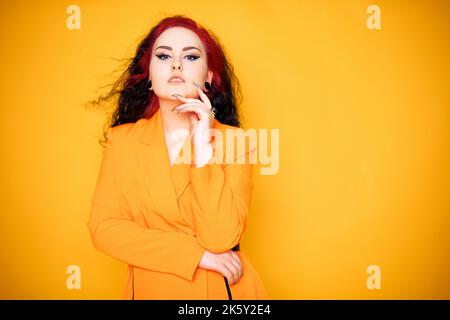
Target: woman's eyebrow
(184, 49)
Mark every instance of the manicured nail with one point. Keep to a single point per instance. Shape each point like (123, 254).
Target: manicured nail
(197, 85)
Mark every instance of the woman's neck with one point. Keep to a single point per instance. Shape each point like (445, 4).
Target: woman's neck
(171, 119)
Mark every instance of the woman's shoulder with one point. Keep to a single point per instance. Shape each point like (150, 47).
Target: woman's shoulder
(126, 133)
(127, 129)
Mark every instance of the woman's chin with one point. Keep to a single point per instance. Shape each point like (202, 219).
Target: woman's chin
(182, 92)
(170, 95)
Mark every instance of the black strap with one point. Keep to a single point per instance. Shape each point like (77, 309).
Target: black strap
(132, 270)
(230, 297)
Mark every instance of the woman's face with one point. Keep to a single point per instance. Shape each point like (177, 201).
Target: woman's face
(178, 52)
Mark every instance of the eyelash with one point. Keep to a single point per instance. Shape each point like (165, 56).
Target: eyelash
(161, 55)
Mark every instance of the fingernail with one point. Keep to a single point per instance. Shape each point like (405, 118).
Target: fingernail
(197, 85)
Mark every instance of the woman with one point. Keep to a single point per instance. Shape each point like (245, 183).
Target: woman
(177, 226)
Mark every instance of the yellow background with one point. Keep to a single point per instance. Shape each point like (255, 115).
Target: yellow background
(364, 141)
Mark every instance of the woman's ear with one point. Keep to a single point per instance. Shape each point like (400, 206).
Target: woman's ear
(209, 76)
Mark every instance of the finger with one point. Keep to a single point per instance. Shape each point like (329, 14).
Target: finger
(234, 270)
(193, 102)
(184, 99)
(241, 265)
(199, 103)
(226, 272)
(236, 255)
(238, 261)
(238, 266)
(206, 100)
(204, 97)
(194, 108)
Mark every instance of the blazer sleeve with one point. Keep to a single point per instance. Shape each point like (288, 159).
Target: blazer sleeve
(220, 201)
(114, 232)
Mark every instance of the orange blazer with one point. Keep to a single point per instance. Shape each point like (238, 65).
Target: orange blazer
(159, 219)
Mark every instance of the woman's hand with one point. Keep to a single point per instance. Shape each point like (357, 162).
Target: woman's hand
(201, 116)
(227, 263)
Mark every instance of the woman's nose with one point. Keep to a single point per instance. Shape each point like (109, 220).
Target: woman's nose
(177, 65)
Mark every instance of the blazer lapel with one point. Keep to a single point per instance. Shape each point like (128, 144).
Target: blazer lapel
(180, 170)
(165, 184)
(180, 173)
(155, 167)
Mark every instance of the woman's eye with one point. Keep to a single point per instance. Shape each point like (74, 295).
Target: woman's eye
(194, 57)
(162, 55)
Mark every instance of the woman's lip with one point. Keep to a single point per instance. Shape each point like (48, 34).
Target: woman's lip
(176, 79)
